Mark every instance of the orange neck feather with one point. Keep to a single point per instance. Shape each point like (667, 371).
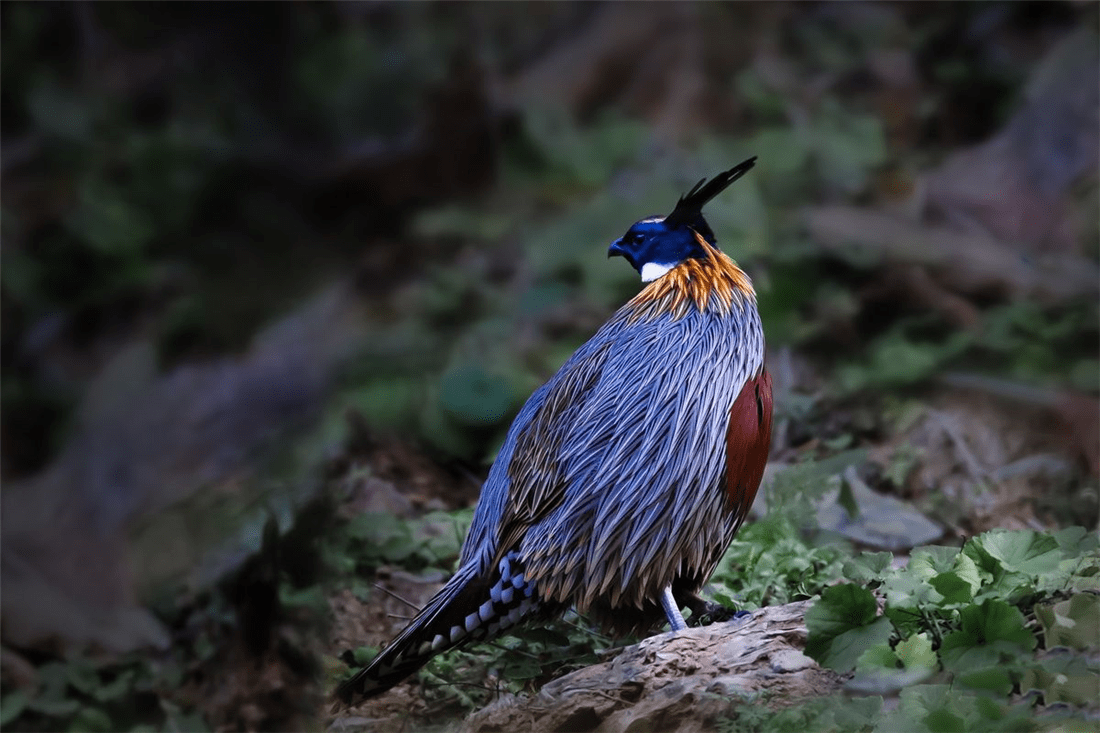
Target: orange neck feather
(714, 281)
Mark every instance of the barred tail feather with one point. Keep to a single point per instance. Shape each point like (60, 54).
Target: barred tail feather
(428, 634)
(473, 606)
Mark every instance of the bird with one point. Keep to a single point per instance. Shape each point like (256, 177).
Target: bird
(623, 479)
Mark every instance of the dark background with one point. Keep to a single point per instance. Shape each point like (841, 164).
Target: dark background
(252, 251)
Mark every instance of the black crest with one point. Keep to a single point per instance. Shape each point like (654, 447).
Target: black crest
(689, 209)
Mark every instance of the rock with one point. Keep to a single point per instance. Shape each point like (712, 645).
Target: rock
(680, 682)
(881, 521)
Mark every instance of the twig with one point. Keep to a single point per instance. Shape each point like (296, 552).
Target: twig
(951, 429)
(587, 630)
(390, 593)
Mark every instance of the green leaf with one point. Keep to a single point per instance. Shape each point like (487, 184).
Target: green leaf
(896, 359)
(942, 720)
(1062, 678)
(93, 720)
(363, 654)
(121, 685)
(880, 655)
(906, 457)
(388, 402)
(440, 535)
(522, 669)
(867, 567)
(771, 561)
(845, 498)
(841, 608)
(915, 705)
(108, 222)
(375, 527)
(1082, 376)
(82, 676)
(820, 715)
(907, 621)
(1020, 551)
(856, 714)
(931, 560)
(991, 679)
(56, 707)
(879, 670)
(953, 708)
(1074, 623)
(545, 635)
(1014, 563)
(967, 570)
(583, 156)
(12, 706)
(53, 678)
(310, 597)
(911, 589)
(53, 693)
(782, 302)
(1075, 541)
(954, 589)
(842, 626)
(991, 633)
(916, 652)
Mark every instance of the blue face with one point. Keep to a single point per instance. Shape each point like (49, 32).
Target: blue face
(653, 249)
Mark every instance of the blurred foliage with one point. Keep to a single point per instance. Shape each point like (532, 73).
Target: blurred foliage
(166, 188)
(972, 615)
(430, 541)
(455, 681)
(521, 662)
(129, 694)
(1039, 346)
(179, 188)
(175, 193)
(773, 560)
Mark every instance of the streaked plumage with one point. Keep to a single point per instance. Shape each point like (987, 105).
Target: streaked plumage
(626, 475)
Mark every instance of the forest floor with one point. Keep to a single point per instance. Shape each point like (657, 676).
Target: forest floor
(262, 339)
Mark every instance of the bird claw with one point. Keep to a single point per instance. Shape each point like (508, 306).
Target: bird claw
(714, 613)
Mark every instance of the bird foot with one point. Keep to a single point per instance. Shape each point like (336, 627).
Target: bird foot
(714, 613)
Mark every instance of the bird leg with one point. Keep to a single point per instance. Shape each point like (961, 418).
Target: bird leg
(672, 609)
(704, 612)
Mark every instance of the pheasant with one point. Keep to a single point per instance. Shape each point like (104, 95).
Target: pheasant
(624, 478)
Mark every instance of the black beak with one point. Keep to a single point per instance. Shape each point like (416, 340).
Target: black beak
(616, 249)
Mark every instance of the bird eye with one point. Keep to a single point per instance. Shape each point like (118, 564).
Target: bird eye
(636, 238)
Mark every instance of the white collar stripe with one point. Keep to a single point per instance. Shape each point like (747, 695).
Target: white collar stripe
(651, 271)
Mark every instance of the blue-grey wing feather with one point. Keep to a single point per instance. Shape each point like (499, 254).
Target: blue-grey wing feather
(628, 488)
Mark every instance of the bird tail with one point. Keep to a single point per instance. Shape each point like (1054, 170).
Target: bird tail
(473, 606)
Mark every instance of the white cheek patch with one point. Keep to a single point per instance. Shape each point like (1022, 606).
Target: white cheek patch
(651, 271)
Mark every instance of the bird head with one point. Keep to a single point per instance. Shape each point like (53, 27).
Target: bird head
(655, 245)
